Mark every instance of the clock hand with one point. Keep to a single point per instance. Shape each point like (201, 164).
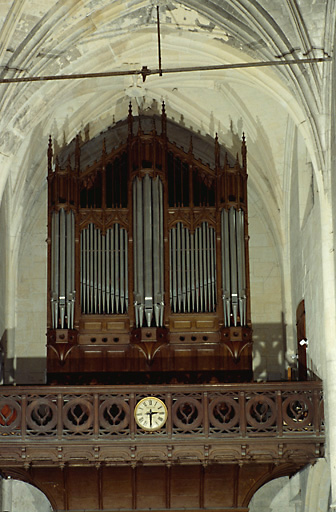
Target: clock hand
(150, 414)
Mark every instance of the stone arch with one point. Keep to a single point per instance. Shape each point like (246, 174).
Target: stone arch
(18, 495)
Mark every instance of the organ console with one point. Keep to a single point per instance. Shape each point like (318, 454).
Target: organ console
(148, 275)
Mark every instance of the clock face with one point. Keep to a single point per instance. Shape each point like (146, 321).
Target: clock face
(150, 413)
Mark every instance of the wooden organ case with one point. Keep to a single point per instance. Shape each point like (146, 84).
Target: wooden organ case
(148, 267)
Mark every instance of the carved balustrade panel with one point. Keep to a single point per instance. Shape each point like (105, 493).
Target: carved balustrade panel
(226, 411)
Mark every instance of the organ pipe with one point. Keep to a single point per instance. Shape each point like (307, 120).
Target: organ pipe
(62, 269)
(104, 267)
(192, 269)
(148, 251)
(233, 267)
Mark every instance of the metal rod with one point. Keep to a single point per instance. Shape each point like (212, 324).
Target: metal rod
(73, 286)
(197, 284)
(122, 270)
(108, 267)
(243, 270)
(62, 263)
(173, 249)
(159, 38)
(240, 270)
(170, 270)
(156, 249)
(183, 269)
(148, 248)
(144, 71)
(201, 273)
(188, 267)
(91, 248)
(112, 266)
(87, 272)
(192, 271)
(103, 267)
(99, 270)
(209, 270)
(161, 252)
(95, 270)
(126, 271)
(178, 266)
(55, 268)
(68, 266)
(116, 267)
(233, 261)
(204, 261)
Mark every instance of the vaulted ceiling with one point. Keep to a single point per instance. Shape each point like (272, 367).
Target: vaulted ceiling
(269, 104)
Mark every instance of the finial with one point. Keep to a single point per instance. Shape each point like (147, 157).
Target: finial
(50, 154)
(217, 152)
(130, 120)
(244, 152)
(163, 119)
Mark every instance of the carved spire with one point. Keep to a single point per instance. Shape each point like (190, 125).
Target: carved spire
(50, 155)
(244, 152)
(164, 119)
(191, 148)
(104, 147)
(217, 153)
(130, 120)
(77, 154)
(69, 163)
(237, 165)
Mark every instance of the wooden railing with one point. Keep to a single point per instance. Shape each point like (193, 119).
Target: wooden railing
(228, 416)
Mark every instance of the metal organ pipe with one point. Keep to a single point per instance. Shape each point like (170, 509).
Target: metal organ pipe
(233, 267)
(148, 251)
(192, 269)
(104, 266)
(62, 269)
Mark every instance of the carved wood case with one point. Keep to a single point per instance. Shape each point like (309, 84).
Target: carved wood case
(148, 267)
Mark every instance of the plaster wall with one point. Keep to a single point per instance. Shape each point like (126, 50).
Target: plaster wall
(266, 298)
(305, 252)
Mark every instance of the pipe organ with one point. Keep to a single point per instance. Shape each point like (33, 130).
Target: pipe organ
(148, 276)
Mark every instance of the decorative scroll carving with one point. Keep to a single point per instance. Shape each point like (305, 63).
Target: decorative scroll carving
(149, 341)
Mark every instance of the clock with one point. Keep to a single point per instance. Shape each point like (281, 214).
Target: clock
(150, 414)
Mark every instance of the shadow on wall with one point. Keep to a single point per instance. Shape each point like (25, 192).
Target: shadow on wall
(269, 351)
